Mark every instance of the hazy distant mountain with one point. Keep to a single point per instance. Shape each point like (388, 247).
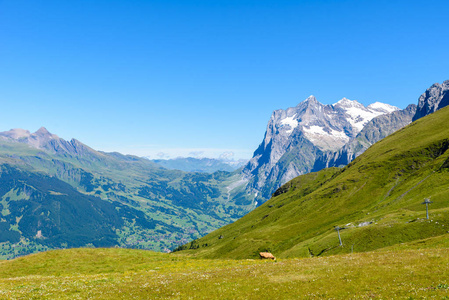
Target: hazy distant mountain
(295, 137)
(203, 165)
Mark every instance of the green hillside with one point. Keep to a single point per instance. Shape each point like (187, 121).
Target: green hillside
(176, 206)
(376, 199)
(135, 274)
(39, 212)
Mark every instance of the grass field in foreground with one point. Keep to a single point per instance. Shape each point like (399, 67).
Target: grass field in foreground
(136, 274)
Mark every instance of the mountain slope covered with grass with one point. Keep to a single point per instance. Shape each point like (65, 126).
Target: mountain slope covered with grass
(376, 199)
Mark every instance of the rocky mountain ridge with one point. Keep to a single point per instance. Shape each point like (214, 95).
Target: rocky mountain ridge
(433, 99)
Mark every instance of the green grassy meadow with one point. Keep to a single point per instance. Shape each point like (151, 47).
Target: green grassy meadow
(419, 272)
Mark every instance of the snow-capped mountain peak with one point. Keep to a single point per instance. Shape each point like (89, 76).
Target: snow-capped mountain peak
(311, 98)
(345, 102)
(306, 130)
(328, 127)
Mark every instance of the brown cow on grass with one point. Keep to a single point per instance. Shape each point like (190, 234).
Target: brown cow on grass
(266, 255)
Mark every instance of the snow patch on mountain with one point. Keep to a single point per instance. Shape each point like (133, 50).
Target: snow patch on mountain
(359, 115)
(291, 122)
(314, 133)
(325, 137)
(383, 107)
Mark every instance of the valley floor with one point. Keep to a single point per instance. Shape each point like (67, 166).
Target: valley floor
(418, 271)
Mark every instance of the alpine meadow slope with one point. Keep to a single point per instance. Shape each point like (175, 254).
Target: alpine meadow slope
(129, 273)
(376, 200)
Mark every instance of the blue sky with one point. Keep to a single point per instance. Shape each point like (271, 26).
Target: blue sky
(145, 77)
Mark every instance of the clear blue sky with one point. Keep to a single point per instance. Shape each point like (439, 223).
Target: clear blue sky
(147, 76)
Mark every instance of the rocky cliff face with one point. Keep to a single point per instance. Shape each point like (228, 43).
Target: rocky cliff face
(295, 137)
(433, 99)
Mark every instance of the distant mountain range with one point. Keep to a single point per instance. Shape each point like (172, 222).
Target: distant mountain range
(202, 165)
(313, 136)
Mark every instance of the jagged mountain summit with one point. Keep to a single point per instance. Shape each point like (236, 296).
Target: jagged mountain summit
(326, 126)
(297, 135)
(433, 99)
